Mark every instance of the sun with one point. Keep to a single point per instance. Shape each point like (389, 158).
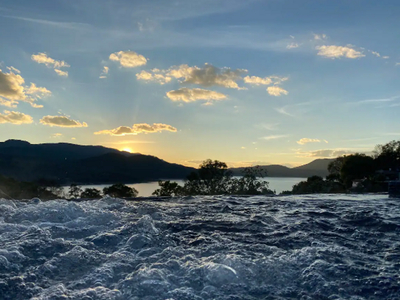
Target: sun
(127, 150)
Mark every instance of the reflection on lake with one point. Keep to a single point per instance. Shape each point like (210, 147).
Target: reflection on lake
(277, 184)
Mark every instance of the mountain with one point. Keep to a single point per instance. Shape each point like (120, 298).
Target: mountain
(317, 167)
(69, 163)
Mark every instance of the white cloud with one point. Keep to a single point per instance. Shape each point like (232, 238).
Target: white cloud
(191, 95)
(326, 153)
(304, 141)
(147, 76)
(15, 117)
(376, 53)
(57, 135)
(397, 64)
(283, 111)
(255, 80)
(273, 137)
(61, 73)
(320, 37)
(104, 72)
(386, 57)
(43, 58)
(14, 70)
(128, 59)
(14, 90)
(208, 76)
(276, 91)
(138, 128)
(338, 51)
(61, 121)
(292, 46)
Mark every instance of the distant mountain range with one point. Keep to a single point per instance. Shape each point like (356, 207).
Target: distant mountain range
(67, 163)
(317, 167)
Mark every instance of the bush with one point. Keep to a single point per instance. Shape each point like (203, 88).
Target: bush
(120, 190)
(91, 193)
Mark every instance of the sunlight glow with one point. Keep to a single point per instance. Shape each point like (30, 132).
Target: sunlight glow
(126, 149)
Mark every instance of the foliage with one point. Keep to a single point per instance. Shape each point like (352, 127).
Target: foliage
(120, 190)
(316, 184)
(168, 188)
(356, 166)
(249, 184)
(91, 193)
(74, 191)
(388, 156)
(13, 189)
(212, 178)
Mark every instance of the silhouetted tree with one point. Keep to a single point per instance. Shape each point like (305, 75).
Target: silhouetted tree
(91, 193)
(356, 166)
(387, 156)
(74, 191)
(249, 184)
(120, 190)
(168, 188)
(212, 178)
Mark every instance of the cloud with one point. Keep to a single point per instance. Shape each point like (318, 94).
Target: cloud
(13, 90)
(208, 76)
(56, 135)
(138, 128)
(61, 121)
(382, 100)
(276, 91)
(304, 141)
(375, 53)
(61, 73)
(191, 95)
(128, 59)
(14, 70)
(282, 110)
(397, 64)
(326, 153)
(255, 80)
(43, 58)
(338, 51)
(147, 76)
(292, 46)
(14, 117)
(104, 72)
(273, 137)
(320, 37)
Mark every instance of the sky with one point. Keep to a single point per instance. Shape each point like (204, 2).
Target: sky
(245, 82)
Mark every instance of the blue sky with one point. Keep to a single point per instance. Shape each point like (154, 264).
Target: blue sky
(245, 82)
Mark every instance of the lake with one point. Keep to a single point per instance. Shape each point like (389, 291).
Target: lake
(278, 184)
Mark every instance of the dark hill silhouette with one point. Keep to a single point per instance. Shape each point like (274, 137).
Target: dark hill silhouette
(70, 163)
(317, 167)
(66, 163)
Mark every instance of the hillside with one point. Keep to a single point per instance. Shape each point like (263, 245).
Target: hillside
(317, 167)
(70, 163)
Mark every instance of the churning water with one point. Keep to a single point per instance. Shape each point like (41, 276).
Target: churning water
(295, 247)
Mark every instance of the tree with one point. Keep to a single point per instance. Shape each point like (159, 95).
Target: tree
(212, 178)
(74, 191)
(120, 190)
(168, 188)
(91, 193)
(387, 156)
(356, 166)
(334, 168)
(249, 183)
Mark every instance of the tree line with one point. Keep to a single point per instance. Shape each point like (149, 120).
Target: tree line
(356, 172)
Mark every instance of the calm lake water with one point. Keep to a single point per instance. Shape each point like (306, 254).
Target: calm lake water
(278, 184)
